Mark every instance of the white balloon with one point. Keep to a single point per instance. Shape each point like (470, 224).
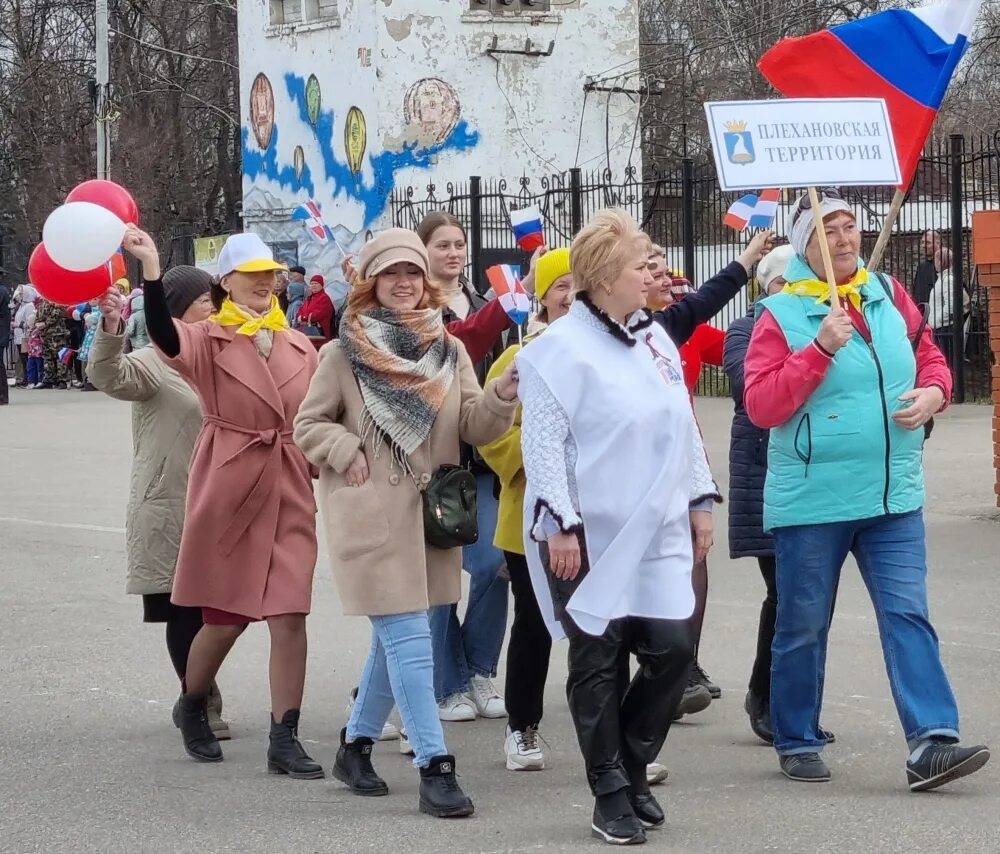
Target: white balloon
(81, 235)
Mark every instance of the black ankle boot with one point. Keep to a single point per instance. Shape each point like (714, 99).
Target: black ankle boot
(615, 820)
(354, 767)
(440, 794)
(286, 755)
(191, 717)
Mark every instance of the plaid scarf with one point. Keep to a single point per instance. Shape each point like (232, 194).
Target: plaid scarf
(404, 363)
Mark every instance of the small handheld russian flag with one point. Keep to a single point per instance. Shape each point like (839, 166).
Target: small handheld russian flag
(310, 212)
(752, 211)
(527, 225)
(507, 286)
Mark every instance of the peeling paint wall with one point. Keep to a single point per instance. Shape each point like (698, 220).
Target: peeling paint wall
(402, 92)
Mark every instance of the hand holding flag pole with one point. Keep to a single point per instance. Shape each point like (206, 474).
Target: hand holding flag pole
(510, 292)
(824, 248)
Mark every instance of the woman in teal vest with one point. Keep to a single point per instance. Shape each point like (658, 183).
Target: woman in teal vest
(846, 392)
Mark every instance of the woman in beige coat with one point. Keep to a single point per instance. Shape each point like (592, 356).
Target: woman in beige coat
(166, 419)
(386, 409)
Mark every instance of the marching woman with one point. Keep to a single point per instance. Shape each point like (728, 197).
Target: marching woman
(846, 392)
(466, 653)
(248, 550)
(383, 420)
(673, 303)
(530, 644)
(747, 472)
(616, 473)
(166, 421)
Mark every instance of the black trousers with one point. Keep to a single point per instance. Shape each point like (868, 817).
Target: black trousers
(621, 731)
(528, 650)
(760, 676)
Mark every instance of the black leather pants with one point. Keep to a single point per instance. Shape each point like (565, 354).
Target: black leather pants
(622, 732)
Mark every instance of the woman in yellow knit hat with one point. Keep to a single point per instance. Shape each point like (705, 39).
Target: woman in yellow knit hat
(530, 642)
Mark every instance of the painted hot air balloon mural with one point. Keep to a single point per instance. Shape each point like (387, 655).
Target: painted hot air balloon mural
(299, 161)
(314, 99)
(355, 139)
(262, 110)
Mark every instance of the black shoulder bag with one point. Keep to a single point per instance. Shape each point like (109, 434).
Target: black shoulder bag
(450, 508)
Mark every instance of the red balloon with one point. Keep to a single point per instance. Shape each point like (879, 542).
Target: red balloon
(108, 195)
(67, 287)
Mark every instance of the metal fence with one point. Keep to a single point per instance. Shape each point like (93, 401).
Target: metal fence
(683, 207)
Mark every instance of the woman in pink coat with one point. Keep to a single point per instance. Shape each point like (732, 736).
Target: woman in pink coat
(248, 549)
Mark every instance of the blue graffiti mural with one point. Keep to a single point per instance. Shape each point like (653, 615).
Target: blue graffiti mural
(373, 195)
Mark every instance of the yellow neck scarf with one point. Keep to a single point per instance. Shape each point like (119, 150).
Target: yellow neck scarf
(821, 290)
(232, 315)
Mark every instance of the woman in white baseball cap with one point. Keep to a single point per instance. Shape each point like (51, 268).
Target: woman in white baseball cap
(248, 548)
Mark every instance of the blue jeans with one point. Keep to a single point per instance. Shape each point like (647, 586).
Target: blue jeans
(399, 671)
(892, 556)
(461, 650)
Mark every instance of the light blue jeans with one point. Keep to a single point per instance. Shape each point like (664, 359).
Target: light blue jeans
(473, 647)
(400, 671)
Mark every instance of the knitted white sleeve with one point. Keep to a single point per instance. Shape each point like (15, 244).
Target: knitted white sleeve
(703, 485)
(544, 437)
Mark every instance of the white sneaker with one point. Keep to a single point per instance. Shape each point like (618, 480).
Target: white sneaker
(456, 708)
(404, 744)
(655, 773)
(389, 731)
(523, 752)
(486, 698)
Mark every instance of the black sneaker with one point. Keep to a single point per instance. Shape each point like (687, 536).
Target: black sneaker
(696, 699)
(942, 763)
(353, 766)
(804, 768)
(615, 821)
(701, 677)
(440, 794)
(648, 810)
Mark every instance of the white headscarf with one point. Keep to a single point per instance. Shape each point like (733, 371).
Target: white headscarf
(805, 222)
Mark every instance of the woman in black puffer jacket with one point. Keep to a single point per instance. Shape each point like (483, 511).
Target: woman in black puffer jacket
(747, 471)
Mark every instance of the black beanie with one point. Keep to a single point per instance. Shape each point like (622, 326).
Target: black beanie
(182, 286)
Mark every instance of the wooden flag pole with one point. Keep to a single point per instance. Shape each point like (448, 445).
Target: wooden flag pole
(883, 237)
(824, 247)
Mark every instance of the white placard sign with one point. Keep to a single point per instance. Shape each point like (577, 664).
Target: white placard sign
(802, 142)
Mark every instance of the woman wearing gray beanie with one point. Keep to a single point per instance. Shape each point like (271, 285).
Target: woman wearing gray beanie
(166, 419)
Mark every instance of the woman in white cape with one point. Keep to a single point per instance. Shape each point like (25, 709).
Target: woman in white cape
(617, 479)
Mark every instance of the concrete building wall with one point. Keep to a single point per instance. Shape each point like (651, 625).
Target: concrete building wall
(360, 97)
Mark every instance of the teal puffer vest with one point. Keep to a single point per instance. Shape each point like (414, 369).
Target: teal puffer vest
(841, 457)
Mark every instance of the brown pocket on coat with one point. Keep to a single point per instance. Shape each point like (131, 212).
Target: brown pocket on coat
(355, 521)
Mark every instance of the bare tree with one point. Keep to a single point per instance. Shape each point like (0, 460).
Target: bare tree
(173, 112)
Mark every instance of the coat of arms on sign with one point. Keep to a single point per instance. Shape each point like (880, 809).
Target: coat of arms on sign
(739, 143)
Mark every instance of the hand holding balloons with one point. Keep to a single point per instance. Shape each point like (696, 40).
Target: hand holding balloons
(79, 256)
(140, 245)
(111, 304)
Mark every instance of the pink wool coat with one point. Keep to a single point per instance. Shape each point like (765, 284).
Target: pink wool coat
(249, 541)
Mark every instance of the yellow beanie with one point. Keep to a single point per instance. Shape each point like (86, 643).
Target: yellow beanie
(553, 265)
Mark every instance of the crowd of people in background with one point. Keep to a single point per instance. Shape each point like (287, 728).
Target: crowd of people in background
(568, 469)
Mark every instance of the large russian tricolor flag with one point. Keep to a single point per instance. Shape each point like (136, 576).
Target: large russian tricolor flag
(906, 56)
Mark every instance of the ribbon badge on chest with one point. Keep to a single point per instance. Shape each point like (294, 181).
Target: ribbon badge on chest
(664, 365)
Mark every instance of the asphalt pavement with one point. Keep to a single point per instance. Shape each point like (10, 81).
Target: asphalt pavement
(89, 761)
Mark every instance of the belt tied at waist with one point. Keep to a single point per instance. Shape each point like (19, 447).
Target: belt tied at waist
(266, 482)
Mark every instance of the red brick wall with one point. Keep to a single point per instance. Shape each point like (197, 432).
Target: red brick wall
(986, 255)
